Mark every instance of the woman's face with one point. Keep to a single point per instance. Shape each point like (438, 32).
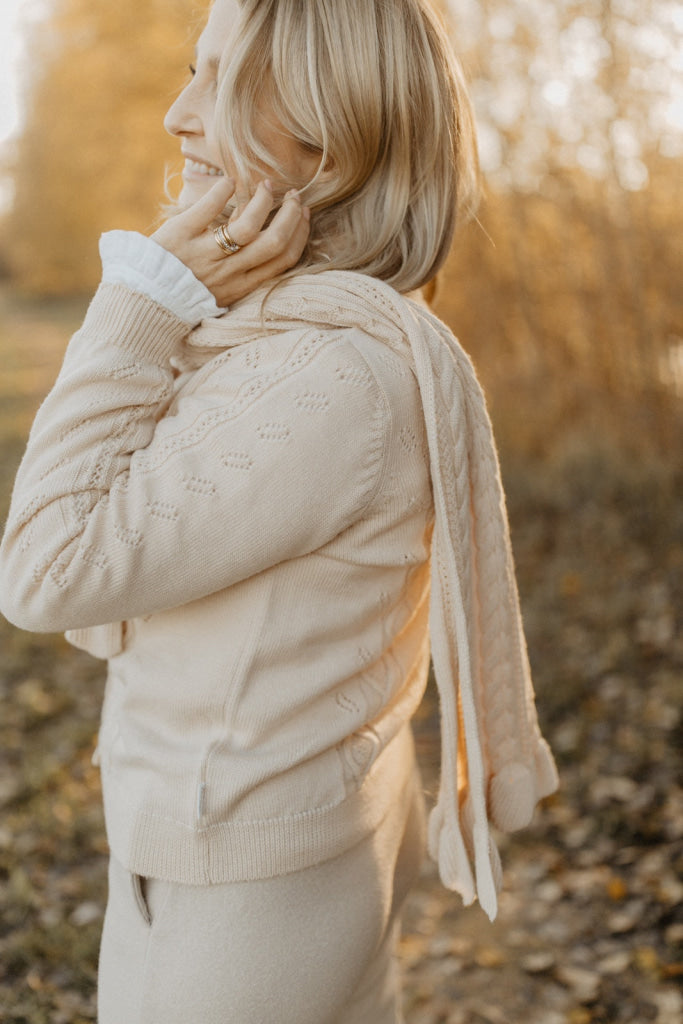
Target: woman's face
(191, 118)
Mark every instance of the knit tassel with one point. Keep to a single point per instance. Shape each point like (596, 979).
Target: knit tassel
(486, 869)
(496, 866)
(546, 771)
(515, 790)
(447, 849)
(482, 849)
(512, 797)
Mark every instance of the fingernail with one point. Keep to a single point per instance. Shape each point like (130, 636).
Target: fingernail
(292, 194)
(267, 183)
(306, 213)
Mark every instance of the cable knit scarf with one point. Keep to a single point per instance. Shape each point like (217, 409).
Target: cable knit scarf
(495, 765)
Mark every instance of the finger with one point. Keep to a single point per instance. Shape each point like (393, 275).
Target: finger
(251, 278)
(248, 221)
(198, 217)
(274, 240)
(291, 255)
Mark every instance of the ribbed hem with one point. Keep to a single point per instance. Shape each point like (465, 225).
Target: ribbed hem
(239, 851)
(133, 323)
(101, 641)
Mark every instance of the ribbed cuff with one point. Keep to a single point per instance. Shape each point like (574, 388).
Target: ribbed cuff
(133, 323)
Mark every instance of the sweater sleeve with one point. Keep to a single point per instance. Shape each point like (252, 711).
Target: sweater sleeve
(141, 264)
(121, 510)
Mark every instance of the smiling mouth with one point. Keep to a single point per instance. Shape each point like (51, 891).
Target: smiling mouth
(196, 167)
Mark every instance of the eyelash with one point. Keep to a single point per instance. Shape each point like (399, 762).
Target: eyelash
(193, 71)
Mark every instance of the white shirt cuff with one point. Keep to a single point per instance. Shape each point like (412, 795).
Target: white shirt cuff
(141, 264)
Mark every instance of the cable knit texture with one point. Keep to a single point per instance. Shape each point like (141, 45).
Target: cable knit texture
(240, 518)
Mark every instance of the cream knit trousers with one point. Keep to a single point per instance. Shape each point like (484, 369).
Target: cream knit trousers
(312, 947)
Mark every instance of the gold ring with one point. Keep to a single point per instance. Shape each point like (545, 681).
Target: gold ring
(225, 240)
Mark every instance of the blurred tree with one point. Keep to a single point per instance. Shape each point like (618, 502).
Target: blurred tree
(537, 297)
(93, 149)
(578, 303)
(591, 83)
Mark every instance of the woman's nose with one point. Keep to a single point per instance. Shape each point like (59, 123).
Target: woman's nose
(182, 118)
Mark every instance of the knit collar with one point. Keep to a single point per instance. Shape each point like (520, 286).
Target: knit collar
(495, 764)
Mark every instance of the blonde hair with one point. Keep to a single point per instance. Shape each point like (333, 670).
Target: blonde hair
(374, 88)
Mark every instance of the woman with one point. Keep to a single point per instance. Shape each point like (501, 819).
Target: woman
(232, 493)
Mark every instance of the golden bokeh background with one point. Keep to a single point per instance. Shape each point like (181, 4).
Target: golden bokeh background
(566, 290)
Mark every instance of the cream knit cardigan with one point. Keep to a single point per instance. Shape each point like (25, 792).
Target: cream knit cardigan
(495, 764)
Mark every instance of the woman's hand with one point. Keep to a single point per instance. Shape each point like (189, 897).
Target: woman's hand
(265, 253)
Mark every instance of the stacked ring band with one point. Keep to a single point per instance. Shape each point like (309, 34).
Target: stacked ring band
(225, 240)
